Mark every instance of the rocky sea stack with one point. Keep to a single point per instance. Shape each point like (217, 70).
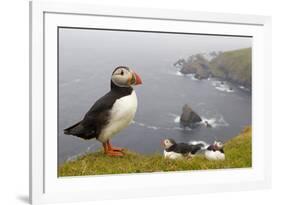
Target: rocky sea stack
(189, 118)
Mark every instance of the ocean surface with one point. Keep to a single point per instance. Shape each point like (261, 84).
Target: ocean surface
(86, 62)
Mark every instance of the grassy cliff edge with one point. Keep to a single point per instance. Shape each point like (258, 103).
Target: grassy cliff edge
(238, 153)
(235, 66)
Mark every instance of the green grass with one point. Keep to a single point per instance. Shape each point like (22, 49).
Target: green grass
(234, 65)
(238, 153)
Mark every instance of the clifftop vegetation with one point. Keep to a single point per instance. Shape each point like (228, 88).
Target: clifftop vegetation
(238, 153)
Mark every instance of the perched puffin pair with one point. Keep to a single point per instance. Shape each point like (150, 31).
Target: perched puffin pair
(111, 113)
(173, 150)
(215, 151)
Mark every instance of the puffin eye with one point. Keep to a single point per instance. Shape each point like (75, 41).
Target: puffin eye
(122, 72)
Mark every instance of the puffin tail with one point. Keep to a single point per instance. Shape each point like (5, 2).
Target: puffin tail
(78, 130)
(73, 130)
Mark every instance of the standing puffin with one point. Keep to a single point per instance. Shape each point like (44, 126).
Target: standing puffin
(215, 151)
(111, 113)
(173, 150)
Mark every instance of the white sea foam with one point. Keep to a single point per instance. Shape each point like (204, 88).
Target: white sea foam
(147, 126)
(225, 89)
(244, 88)
(191, 76)
(222, 86)
(177, 119)
(178, 73)
(217, 121)
(153, 127)
(177, 128)
(70, 82)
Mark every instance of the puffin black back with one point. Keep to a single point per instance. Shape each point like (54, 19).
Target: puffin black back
(97, 117)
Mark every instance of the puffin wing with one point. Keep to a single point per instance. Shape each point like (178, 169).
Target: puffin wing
(94, 120)
(197, 147)
(183, 148)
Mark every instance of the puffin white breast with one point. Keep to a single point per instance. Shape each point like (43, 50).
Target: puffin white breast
(172, 155)
(121, 115)
(214, 155)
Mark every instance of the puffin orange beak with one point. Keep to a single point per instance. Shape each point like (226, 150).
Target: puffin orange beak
(138, 80)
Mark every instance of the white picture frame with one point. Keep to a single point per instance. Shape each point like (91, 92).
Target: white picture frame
(45, 186)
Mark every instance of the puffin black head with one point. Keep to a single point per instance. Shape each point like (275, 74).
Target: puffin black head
(167, 143)
(123, 76)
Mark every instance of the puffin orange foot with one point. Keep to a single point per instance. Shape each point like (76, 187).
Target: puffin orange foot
(117, 149)
(114, 153)
(110, 147)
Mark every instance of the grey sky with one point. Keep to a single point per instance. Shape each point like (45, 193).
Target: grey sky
(123, 47)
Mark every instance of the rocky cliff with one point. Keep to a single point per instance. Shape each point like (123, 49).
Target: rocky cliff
(234, 66)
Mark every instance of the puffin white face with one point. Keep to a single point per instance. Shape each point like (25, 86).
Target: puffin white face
(167, 143)
(219, 145)
(124, 77)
